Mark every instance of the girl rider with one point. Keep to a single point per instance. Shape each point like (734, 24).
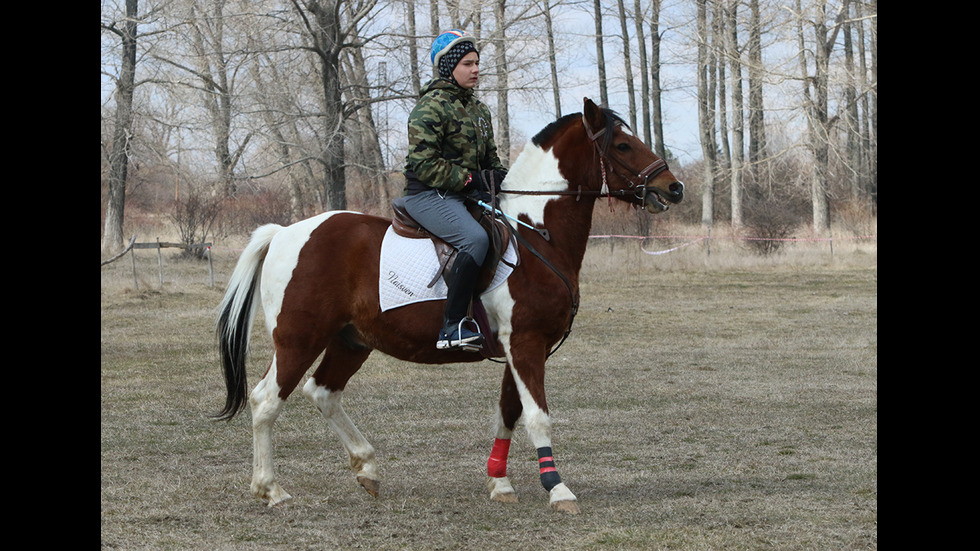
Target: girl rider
(450, 142)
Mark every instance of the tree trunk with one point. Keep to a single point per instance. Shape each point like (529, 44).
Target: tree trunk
(656, 92)
(600, 54)
(720, 50)
(413, 49)
(706, 117)
(112, 234)
(851, 119)
(327, 42)
(757, 128)
(503, 115)
(552, 59)
(867, 139)
(738, 145)
(641, 44)
(211, 60)
(436, 28)
(818, 109)
(628, 65)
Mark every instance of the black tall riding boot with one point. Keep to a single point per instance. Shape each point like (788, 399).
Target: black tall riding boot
(462, 281)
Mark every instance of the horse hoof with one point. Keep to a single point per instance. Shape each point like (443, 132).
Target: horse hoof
(501, 491)
(273, 495)
(280, 499)
(570, 507)
(505, 498)
(372, 486)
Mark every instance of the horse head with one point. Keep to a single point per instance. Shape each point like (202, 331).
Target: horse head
(630, 171)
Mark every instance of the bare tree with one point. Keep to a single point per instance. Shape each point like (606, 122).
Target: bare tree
(500, 59)
(737, 114)
(706, 114)
(552, 58)
(413, 49)
(757, 126)
(600, 53)
(719, 37)
(126, 30)
(214, 68)
(363, 140)
(627, 63)
(328, 32)
(816, 93)
(278, 125)
(656, 90)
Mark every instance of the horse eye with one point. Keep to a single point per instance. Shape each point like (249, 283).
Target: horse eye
(624, 147)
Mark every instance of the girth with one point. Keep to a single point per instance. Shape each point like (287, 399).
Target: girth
(499, 233)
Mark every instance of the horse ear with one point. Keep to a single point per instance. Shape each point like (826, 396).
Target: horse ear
(593, 115)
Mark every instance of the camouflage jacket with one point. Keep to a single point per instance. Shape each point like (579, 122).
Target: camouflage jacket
(450, 135)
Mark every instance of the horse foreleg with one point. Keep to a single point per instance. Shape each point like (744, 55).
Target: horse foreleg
(528, 372)
(266, 405)
(508, 412)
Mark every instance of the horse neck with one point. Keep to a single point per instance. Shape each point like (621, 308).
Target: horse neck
(567, 218)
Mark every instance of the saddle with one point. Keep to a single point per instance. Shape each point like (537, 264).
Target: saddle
(499, 233)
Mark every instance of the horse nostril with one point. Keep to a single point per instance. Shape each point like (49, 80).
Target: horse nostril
(677, 189)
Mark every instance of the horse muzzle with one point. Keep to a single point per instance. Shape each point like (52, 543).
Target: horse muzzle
(656, 200)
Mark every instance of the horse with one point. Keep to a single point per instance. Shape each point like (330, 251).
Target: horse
(317, 282)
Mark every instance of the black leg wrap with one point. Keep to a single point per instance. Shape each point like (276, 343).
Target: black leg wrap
(546, 464)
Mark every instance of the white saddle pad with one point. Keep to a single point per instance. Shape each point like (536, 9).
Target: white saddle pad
(409, 265)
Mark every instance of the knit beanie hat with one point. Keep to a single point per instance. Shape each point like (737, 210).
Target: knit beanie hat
(448, 48)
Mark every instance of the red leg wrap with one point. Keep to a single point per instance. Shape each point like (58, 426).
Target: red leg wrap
(497, 464)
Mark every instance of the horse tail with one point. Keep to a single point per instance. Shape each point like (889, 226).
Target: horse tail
(236, 314)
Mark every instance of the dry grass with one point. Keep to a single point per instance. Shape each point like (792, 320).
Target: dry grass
(722, 402)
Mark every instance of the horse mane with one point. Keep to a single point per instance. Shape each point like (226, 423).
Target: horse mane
(613, 119)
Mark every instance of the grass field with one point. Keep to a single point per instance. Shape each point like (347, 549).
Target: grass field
(716, 403)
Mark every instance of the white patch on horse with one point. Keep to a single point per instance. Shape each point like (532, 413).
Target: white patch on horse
(281, 261)
(534, 170)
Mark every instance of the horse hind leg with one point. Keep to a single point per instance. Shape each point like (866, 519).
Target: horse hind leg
(325, 389)
(266, 405)
(266, 401)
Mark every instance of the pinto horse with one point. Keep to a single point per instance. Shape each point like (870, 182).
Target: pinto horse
(317, 281)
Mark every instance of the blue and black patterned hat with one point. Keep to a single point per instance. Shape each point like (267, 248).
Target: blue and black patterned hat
(448, 48)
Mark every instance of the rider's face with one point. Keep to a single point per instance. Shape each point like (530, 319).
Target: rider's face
(467, 71)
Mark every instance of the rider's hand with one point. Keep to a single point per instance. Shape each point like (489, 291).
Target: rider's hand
(487, 181)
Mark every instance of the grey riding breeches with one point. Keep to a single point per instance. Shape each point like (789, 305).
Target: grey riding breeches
(445, 214)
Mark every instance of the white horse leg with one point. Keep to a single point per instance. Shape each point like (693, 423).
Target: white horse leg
(266, 406)
(362, 458)
(538, 425)
(498, 483)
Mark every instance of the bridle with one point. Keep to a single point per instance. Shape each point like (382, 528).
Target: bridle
(637, 189)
